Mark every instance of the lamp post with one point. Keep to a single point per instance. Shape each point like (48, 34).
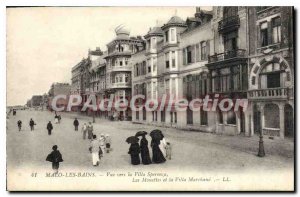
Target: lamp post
(261, 150)
(94, 116)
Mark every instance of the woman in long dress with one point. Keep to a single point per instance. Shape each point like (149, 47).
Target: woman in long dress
(157, 156)
(162, 146)
(134, 152)
(94, 148)
(145, 151)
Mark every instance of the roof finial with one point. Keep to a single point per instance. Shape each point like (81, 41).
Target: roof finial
(175, 12)
(156, 22)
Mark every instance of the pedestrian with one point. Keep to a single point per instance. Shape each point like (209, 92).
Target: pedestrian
(59, 119)
(56, 119)
(134, 152)
(19, 124)
(168, 150)
(49, 127)
(31, 124)
(55, 157)
(157, 155)
(107, 143)
(162, 145)
(145, 151)
(90, 130)
(94, 149)
(102, 142)
(84, 130)
(76, 124)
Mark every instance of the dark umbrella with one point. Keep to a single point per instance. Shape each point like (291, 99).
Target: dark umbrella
(156, 134)
(140, 133)
(132, 140)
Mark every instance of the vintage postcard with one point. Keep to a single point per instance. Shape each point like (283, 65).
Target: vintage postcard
(150, 98)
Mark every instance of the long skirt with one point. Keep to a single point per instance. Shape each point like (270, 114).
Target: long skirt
(90, 135)
(95, 157)
(157, 156)
(55, 165)
(135, 159)
(56, 120)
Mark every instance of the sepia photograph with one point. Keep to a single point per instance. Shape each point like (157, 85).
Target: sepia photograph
(182, 98)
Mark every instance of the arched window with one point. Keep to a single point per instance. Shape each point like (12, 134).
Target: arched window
(272, 76)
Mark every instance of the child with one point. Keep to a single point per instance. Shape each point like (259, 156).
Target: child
(102, 142)
(168, 150)
(55, 157)
(107, 143)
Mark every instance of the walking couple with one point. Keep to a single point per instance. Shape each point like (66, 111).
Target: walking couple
(88, 129)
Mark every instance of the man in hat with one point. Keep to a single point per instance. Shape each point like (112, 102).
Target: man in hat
(90, 130)
(76, 124)
(49, 127)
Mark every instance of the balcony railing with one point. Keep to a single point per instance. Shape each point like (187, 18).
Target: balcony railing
(119, 68)
(120, 85)
(271, 93)
(227, 55)
(229, 24)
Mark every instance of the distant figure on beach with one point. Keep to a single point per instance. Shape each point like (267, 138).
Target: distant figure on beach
(19, 124)
(56, 119)
(90, 130)
(49, 127)
(107, 143)
(84, 130)
(31, 124)
(76, 124)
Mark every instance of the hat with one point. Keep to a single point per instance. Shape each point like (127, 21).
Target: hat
(54, 147)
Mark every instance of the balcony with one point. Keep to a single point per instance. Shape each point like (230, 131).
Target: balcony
(271, 93)
(239, 53)
(120, 85)
(119, 68)
(229, 24)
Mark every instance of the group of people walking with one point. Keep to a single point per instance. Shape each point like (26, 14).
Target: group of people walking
(98, 147)
(31, 124)
(160, 148)
(87, 129)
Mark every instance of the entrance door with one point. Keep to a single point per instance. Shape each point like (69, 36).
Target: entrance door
(288, 121)
(256, 120)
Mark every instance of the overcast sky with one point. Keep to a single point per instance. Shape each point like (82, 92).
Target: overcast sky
(43, 44)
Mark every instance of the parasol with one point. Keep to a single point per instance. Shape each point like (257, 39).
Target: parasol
(140, 133)
(132, 140)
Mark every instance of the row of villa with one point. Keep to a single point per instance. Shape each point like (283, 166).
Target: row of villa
(235, 52)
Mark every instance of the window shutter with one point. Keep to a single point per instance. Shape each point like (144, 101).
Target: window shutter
(184, 56)
(207, 49)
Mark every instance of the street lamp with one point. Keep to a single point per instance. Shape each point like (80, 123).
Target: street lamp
(261, 150)
(94, 116)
